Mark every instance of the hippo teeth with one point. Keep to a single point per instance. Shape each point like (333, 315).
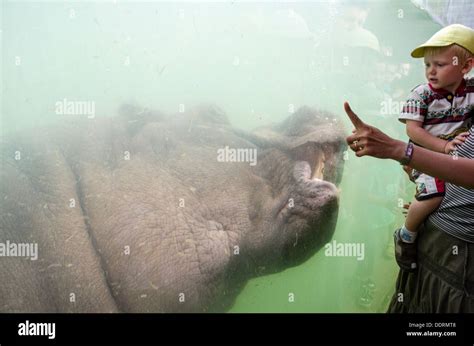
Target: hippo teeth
(313, 154)
(318, 168)
(307, 183)
(303, 172)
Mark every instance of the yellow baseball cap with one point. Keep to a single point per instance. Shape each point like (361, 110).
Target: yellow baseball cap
(454, 33)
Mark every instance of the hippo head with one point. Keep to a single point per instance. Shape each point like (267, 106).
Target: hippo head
(295, 211)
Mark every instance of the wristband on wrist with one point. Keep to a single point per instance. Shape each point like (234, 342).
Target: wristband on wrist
(408, 155)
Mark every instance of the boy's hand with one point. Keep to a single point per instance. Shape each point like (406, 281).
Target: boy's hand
(459, 139)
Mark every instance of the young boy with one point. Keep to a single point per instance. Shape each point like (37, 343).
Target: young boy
(438, 115)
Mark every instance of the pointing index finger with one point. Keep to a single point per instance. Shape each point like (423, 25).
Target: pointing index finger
(353, 117)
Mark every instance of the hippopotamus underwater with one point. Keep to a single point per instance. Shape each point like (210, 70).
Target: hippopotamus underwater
(147, 212)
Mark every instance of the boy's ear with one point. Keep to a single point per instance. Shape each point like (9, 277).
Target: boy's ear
(468, 65)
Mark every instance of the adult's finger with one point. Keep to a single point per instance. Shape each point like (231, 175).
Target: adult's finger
(361, 152)
(359, 149)
(352, 138)
(353, 117)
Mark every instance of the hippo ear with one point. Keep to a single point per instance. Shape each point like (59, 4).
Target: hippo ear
(209, 114)
(264, 138)
(136, 117)
(133, 112)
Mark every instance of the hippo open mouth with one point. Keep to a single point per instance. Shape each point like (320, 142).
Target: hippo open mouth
(317, 171)
(320, 159)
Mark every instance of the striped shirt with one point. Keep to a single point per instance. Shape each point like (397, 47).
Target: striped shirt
(455, 215)
(443, 114)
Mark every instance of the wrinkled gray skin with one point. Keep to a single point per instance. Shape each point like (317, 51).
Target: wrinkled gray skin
(236, 222)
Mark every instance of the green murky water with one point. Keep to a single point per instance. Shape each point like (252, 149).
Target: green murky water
(257, 61)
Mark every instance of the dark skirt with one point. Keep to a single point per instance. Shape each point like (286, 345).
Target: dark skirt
(444, 281)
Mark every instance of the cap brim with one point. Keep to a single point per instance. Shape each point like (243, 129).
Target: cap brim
(419, 52)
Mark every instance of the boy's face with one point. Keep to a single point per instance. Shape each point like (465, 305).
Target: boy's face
(444, 70)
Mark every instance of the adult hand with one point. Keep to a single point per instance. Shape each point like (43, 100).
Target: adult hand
(368, 140)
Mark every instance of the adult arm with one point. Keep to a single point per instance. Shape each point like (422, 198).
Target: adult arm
(455, 170)
(368, 140)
